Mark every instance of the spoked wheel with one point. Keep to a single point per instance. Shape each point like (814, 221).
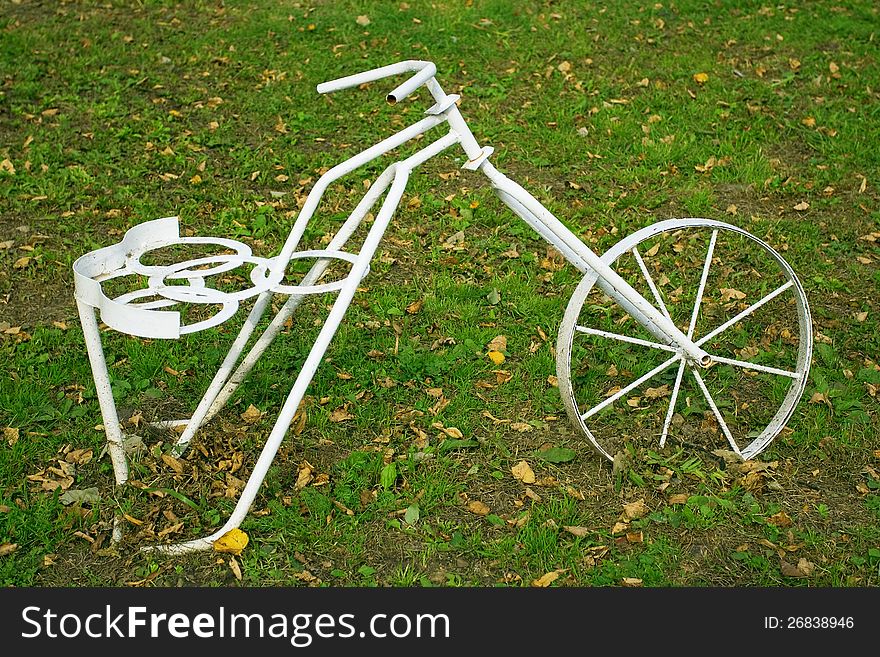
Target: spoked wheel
(734, 296)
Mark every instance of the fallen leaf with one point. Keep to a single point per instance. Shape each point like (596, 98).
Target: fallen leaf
(619, 527)
(657, 393)
(341, 414)
(8, 548)
(415, 306)
(678, 498)
(728, 293)
(631, 581)
(780, 519)
(21, 263)
(10, 434)
(252, 414)
(803, 205)
(496, 357)
(548, 578)
(478, 508)
(304, 476)
(803, 568)
(522, 427)
(577, 531)
(233, 541)
(84, 496)
(7, 166)
(498, 343)
(172, 463)
(363, 21)
(235, 568)
(635, 510)
(523, 472)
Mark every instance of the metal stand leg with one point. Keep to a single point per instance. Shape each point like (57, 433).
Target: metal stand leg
(112, 428)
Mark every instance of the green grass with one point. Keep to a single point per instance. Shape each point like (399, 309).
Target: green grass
(113, 114)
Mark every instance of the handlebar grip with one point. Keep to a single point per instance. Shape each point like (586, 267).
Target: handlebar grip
(424, 71)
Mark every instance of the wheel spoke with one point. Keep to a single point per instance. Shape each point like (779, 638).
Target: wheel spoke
(715, 410)
(624, 338)
(755, 366)
(635, 384)
(702, 288)
(672, 399)
(647, 275)
(745, 313)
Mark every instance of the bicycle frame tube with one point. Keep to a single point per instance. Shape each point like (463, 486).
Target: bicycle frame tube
(530, 210)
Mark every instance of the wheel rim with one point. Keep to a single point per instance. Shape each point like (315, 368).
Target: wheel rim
(737, 298)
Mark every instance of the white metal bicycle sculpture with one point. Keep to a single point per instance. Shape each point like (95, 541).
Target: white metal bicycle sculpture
(754, 361)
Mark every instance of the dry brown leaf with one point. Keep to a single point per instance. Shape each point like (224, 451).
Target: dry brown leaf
(657, 393)
(415, 306)
(635, 510)
(803, 568)
(728, 293)
(8, 548)
(523, 472)
(235, 568)
(252, 414)
(172, 463)
(619, 527)
(498, 343)
(10, 434)
(803, 205)
(522, 427)
(631, 581)
(548, 578)
(780, 519)
(304, 476)
(363, 21)
(678, 498)
(477, 507)
(341, 414)
(577, 531)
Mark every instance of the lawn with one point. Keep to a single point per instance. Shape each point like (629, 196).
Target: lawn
(405, 465)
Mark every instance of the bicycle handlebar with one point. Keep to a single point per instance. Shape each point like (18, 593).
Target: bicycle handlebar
(424, 71)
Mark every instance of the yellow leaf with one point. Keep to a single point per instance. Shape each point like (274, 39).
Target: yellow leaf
(496, 357)
(415, 306)
(7, 166)
(233, 541)
(8, 548)
(548, 578)
(701, 78)
(21, 263)
(523, 472)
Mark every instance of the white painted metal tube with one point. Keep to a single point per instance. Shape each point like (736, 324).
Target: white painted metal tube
(609, 280)
(268, 336)
(347, 167)
(223, 372)
(319, 348)
(424, 71)
(112, 428)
